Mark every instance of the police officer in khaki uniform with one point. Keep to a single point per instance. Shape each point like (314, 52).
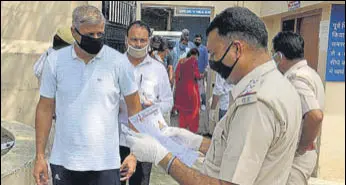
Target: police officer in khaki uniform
(288, 51)
(256, 140)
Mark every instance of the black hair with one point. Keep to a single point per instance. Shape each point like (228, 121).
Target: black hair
(155, 42)
(140, 24)
(198, 35)
(290, 44)
(240, 23)
(171, 44)
(59, 42)
(158, 43)
(193, 51)
(164, 44)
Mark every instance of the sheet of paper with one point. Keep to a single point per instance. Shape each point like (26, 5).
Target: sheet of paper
(151, 121)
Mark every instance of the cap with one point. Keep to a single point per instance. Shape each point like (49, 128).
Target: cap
(65, 34)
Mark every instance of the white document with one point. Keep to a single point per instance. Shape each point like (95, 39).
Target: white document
(151, 121)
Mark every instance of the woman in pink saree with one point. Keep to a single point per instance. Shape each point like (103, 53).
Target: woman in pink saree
(187, 99)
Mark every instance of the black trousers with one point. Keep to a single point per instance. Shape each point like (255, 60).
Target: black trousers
(143, 169)
(63, 176)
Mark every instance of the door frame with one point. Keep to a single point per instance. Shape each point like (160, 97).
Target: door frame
(300, 15)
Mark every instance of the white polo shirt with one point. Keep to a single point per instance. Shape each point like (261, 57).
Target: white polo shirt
(87, 105)
(222, 89)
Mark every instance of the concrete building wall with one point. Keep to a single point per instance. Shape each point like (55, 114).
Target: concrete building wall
(27, 29)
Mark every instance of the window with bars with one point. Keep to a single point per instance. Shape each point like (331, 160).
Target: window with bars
(119, 14)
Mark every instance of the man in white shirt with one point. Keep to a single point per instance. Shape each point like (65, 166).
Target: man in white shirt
(288, 50)
(84, 82)
(61, 39)
(221, 93)
(153, 86)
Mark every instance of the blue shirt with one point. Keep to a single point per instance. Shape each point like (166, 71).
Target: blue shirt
(203, 58)
(178, 54)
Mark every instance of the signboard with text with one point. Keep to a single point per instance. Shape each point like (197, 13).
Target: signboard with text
(335, 70)
(200, 12)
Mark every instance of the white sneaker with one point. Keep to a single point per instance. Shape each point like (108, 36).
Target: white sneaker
(203, 107)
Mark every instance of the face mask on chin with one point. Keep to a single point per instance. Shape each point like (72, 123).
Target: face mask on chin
(89, 44)
(221, 68)
(137, 53)
(182, 46)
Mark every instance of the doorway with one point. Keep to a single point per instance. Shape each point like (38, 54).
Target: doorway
(307, 25)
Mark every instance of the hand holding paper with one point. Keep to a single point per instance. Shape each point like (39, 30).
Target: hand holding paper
(150, 121)
(189, 139)
(146, 148)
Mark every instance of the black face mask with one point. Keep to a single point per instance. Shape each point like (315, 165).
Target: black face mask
(197, 43)
(221, 68)
(59, 43)
(89, 44)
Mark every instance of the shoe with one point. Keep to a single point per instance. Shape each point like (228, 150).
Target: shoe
(203, 107)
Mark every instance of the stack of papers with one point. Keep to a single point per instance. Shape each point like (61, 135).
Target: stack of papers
(150, 121)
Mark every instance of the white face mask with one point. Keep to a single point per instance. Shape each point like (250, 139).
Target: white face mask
(137, 53)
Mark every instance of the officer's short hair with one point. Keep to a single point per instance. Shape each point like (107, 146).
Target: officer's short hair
(240, 23)
(290, 44)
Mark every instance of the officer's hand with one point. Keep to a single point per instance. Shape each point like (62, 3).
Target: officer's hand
(189, 139)
(146, 148)
(41, 171)
(128, 167)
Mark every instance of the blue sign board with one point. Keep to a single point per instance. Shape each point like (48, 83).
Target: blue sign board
(193, 12)
(335, 70)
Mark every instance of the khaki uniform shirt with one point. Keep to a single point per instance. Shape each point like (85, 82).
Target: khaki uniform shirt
(308, 84)
(311, 91)
(255, 142)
